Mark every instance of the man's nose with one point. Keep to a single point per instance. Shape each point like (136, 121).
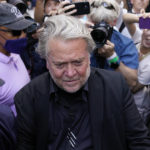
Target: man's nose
(70, 70)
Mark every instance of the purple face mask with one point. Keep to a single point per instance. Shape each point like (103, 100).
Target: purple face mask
(16, 46)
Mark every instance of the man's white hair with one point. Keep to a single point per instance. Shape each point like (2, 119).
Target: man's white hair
(119, 1)
(104, 10)
(65, 28)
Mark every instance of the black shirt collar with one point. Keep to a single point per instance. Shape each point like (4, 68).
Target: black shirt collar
(54, 89)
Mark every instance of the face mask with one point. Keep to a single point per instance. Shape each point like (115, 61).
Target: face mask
(16, 46)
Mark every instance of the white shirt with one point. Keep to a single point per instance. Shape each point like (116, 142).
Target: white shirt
(142, 97)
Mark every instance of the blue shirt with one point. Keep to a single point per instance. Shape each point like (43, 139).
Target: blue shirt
(125, 49)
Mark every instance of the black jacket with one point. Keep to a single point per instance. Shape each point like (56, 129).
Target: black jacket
(115, 121)
(7, 128)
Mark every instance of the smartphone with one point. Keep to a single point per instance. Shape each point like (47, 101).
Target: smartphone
(82, 8)
(144, 23)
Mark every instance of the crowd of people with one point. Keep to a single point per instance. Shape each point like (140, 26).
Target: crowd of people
(74, 82)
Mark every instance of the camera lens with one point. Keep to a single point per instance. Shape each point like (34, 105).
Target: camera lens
(101, 33)
(99, 36)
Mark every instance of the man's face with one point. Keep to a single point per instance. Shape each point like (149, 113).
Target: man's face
(69, 63)
(146, 38)
(139, 4)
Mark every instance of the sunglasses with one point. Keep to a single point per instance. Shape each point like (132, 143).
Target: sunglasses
(105, 5)
(14, 32)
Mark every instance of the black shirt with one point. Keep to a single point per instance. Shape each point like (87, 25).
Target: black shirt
(69, 121)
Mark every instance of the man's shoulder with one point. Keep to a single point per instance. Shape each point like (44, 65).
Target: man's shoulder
(41, 78)
(39, 84)
(103, 82)
(106, 76)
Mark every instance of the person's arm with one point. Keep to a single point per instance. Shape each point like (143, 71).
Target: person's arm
(138, 86)
(25, 121)
(7, 130)
(126, 4)
(39, 11)
(130, 74)
(62, 7)
(129, 20)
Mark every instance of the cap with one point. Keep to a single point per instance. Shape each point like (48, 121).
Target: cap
(12, 18)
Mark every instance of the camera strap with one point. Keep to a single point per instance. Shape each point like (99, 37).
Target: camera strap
(122, 27)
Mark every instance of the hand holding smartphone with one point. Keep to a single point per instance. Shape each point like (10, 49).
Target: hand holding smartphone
(82, 8)
(66, 5)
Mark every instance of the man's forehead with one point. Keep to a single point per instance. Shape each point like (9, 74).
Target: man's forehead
(59, 46)
(63, 40)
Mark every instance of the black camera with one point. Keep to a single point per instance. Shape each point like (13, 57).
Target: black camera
(81, 7)
(32, 29)
(101, 33)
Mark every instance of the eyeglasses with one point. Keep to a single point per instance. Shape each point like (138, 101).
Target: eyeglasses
(107, 6)
(14, 32)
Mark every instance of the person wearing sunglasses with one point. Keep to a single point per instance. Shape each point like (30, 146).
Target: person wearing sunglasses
(12, 43)
(13, 74)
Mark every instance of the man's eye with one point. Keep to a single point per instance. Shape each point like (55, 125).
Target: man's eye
(60, 66)
(77, 63)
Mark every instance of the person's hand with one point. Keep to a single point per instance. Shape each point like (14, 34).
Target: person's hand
(52, 12)
(144, 14)
(107, 50)
(63, 7)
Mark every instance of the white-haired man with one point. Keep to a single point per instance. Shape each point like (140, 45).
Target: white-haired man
(75, 106)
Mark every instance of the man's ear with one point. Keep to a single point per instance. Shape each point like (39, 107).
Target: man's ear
(47, 64)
